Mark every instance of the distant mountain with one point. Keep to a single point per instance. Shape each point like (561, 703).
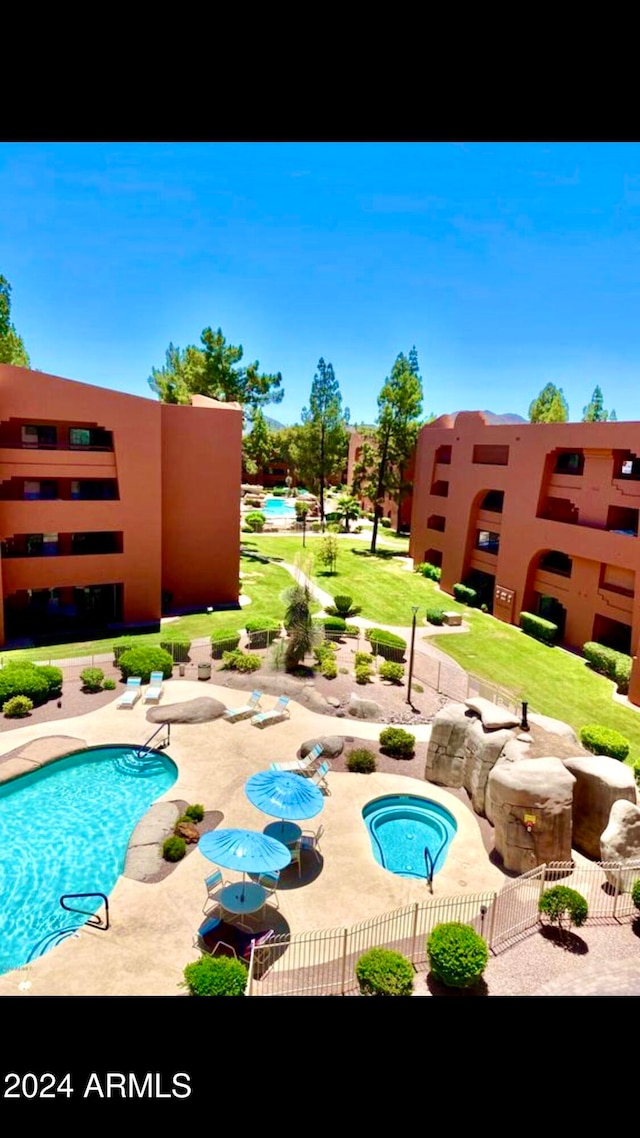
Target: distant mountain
(274, 424)
(496, 420)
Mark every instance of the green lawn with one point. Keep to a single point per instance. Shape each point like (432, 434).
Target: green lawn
(553, 681)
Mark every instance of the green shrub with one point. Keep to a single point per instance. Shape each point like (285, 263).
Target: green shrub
(615, 666)
(465, 595)
(537, 627)
(108, 685)
(343, 604)
(315, 526)
(178, 649)
(385, 523)
(397, 742)
(255, 521)
(174, 848)
(361, 761)
(262, 631)
(122, 644)
(195, 813)
(329, 668)
(560, 903)
(457, 954)
(383, 972)
(144, 660)
(216, 976)
(604, 741)
(238, 661)
(635, 893)
(363, 658)
(391, 671)
(92, 679)
(386, 644)
(435, 616)
(332, 623)
(636, 772)
(53, 677)
(279, 491)
(433, 572)
(363, 673)
(223, 641)
(23, 678)
(17, 707)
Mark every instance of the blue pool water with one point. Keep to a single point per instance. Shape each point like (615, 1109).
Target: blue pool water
(279, 507)
(65, 829)
(401, 826)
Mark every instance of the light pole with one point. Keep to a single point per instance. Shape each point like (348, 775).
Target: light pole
(413, 641)
(304, 528)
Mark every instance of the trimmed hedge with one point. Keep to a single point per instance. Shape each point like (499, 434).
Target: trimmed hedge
(537, 627)
(223, 641)
(23, 679)
(435, 616)
(397, 742)
(635, 893)
(53, 677)
(391, 671)
(143, 661)
(122, 644)
(383, 972)
(386, 644)
(457, 954)
(255, 521)
(604, 741)
(216, 976)
(238, 661)
(92, 679)
(466, 595)
(433, 572)
(363, 673)
(329, 667)
(178, 649)
(262, 631)
(614, 665)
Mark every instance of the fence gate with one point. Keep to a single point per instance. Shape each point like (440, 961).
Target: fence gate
(515, 909)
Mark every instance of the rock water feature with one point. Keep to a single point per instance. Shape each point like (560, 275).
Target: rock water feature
(541, 805)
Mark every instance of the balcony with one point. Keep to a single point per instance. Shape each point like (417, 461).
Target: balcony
(487, 541)
(31, 545)
(491, 455)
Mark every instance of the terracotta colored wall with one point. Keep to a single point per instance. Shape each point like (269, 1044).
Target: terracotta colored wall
(142, 434)
(528, 480)
(389, 507)
(201, 471)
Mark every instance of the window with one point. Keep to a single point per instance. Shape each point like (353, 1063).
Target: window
(556, 562)
(45, 490)
(493, 501)
(488, 542)
(569, 462)
(33, 436)
(79, 437)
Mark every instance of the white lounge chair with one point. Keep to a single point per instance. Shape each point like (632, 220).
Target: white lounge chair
(301, 766)
(251, 707)
(154, 692)
(132, 694)
(274, 714)
(319, 777)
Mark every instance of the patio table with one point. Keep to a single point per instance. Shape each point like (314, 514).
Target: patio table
(286, 832)
(241, 897)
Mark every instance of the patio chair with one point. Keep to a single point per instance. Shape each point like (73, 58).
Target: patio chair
(214, 884)
(217, 938)
(132, 694)
(310, 840)
(301, 766)
(251, 707)
(268, 881)
(319, 777)
(296, 855)
(274, 714)
(154, 692)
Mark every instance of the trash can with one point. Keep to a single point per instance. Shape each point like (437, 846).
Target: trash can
(204, 671)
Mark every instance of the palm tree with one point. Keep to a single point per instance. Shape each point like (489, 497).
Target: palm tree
(347, 509)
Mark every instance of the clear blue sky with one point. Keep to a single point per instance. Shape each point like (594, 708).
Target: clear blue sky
(507, 265)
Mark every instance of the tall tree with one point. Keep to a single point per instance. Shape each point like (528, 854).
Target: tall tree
(550, 406)
(214, 370)
(388, 447)
(594, 412)
(12, 349)
(258, 444)
(325, 423)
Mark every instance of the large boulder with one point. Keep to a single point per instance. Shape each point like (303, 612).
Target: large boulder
(553, 726)
(600, 782)
(332, 746)
(461, 753)
(620, 842)
(191, 711)
(364, 708)
(543, 789)
(492, 715)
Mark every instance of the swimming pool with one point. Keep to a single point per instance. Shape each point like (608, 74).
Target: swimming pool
(64, 829)
(402, 827)
(279, 508)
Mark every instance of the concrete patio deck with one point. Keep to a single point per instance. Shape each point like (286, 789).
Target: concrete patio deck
(151, 937)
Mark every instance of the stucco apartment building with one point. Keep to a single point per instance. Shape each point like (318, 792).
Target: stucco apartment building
(110, 505)
(389, 505)
(543, 517)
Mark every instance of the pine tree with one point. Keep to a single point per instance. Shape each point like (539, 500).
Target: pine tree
(258, 445)
(550, 406)
(12, 349)
(594, 412)
(325, 436)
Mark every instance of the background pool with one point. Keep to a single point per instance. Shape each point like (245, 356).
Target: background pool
(65, 829)
(279, 507)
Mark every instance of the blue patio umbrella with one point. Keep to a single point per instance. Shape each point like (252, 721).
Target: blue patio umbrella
(284, 795)
(246, 850)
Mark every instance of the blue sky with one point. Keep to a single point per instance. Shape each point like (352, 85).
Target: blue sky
(507, 265)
